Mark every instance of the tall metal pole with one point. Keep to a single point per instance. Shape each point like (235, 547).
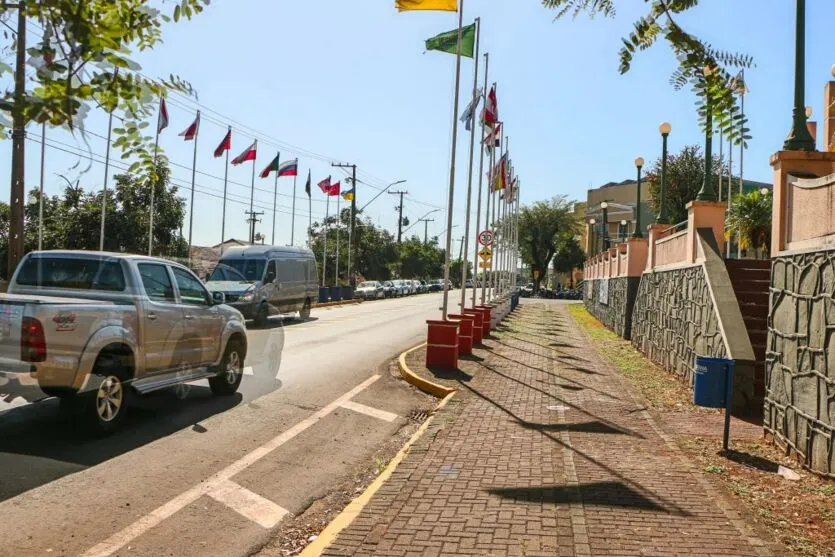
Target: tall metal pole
(293, 218)
(106, 177)
(730, 189)
(275, 192)
(325, 240)
(225, 183)
(451, 198)
(742, 150)
(708, 192)
(721, 173)
(40, 194)
(639, 163)
(799, 138)
(352, 237)
(487, 221)
(470, 172)
(153, 192)
(338, 226)
(480, 184)
(18, 185)
(662, 214)
(252, 187)
(193, 179)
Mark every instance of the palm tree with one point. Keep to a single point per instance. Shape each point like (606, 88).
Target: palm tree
(750, 220)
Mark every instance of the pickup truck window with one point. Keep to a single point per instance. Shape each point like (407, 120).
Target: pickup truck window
(156, 281)
(191, 291)
(73, 273)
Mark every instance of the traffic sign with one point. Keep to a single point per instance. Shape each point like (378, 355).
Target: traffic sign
(485, 253)
(485, 237)
(483, 264)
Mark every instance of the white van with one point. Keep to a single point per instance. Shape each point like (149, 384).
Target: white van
(260, 281)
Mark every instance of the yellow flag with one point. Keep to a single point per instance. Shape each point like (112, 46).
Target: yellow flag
(439, 5)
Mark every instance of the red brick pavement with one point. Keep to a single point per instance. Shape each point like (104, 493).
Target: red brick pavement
(545, 451)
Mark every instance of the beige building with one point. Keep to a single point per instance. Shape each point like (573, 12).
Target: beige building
(620, 199)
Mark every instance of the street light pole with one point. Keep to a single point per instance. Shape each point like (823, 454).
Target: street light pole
(708, 192)
(639, 163)
(799, 138)
(592, 239)
(605, 207)
(665, 130)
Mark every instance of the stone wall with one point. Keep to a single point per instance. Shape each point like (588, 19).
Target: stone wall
(617, 313)
(800, 362)
(673, 320)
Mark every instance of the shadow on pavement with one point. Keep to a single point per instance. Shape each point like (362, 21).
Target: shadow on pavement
(584, 427)
(751, 461)
(450, 374)
(602, 494)
(40, 443)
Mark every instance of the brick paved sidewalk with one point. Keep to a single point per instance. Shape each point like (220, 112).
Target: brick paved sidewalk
(544, 451)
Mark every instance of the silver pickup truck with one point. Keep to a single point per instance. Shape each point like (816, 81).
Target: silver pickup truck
(96, 328)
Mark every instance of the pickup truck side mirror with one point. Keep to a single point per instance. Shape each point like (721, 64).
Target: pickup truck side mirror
(218, 298)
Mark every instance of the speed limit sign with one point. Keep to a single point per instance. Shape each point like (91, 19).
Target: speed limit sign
(485, 237)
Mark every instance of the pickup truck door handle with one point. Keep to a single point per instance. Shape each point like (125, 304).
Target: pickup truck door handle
(151, 315)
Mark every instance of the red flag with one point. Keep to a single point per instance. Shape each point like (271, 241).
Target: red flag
(162, 120)
(225, 145)
(495, 135)
(490, 115)
(191, 131)
(334, 189)
(325, 185)
(248, 155)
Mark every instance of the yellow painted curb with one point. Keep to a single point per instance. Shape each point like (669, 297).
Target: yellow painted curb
(424, 385)
(354, 508)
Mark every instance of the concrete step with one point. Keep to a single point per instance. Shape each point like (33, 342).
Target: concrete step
(759, 351)
(758, 336)
(757, 311)
(748, 264)
(748, 296)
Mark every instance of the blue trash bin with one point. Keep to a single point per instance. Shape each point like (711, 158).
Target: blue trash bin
(710, 381)
(324, 294)
(336, 293)
(347, 293)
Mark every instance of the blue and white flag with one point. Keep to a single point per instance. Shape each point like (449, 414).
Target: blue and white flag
(469, 112)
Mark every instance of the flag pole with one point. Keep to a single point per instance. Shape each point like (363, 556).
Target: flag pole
(309, 212)
(193, 178)
(293, 216)
(153, 189)
(488, 223)
(480, 184)
(225, 183)
(252, 192)
(451, 199)
(104, 191)
(275, 191)
(40, 196)
(470, 173)
(495, 195)
(338, 222)
(325, 241)
(741, 149)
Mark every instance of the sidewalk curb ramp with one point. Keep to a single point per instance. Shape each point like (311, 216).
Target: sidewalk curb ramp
(355, 507)
(413, 378)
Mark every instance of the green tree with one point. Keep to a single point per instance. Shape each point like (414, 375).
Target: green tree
(750, 220)
(543, 227)
(694, 55)
(685, 174)
(84, 60)
(420, 261)
(455, 270)
(569, 256)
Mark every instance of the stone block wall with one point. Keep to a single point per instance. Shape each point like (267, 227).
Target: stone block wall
(674, 320)
(800, 362)
(617, 313)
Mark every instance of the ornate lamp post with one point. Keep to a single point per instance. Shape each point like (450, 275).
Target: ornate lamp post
(665, 130)
(799, 138)
(708, 192)
(639, 163)
(623, 231)
(592, 239)
(605, 207)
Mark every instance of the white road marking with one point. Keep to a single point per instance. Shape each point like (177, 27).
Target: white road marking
(156, 516)
(248, 504)
(369, 411)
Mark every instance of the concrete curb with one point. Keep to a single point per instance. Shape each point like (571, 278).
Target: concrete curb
(355, 507)
(334, 304)
(413, 378)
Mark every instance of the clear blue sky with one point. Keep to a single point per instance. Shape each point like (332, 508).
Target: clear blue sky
(353, 84)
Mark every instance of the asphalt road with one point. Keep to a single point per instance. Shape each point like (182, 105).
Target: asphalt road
(192, 474)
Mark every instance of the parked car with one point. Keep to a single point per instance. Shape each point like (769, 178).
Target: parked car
(416, 286)
(424, 286)
(371, 290)
(90, 327)
(469, 283)
(400, 286)
(390, 289)
(260, 281)
(436, 285)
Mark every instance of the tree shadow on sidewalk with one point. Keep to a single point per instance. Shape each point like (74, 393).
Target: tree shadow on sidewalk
(602, 494)
(583, 427)
(751, 461)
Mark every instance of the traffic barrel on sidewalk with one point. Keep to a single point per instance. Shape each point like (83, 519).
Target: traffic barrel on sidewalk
(478, 324)
(465, 333)
(442, 344)
(486, 316)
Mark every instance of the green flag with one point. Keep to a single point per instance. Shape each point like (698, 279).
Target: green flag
(448, 42)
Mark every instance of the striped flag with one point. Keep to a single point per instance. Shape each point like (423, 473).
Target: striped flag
(191, 131)
(325, 185)
(248, 155)
(289, 168)
(162, 120)
(225, 144)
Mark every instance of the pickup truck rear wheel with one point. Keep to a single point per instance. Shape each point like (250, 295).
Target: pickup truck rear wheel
(231, 371)
(304, 313)
(105, 403)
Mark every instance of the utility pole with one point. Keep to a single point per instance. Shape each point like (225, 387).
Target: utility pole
(400, 211)
(16, 198)
(351, 231)
(426, 229)
(252, 220)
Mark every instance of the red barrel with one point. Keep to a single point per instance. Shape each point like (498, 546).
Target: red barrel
(465, 333)
(442, 344)
(478, 324)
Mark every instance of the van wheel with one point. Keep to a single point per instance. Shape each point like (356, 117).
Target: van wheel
(261, 315)
(105, 405)
(231, 371)
(304, 313)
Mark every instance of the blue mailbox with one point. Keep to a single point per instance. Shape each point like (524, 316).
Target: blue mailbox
(713, 387)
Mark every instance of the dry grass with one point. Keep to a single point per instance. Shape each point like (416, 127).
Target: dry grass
(799, 514)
